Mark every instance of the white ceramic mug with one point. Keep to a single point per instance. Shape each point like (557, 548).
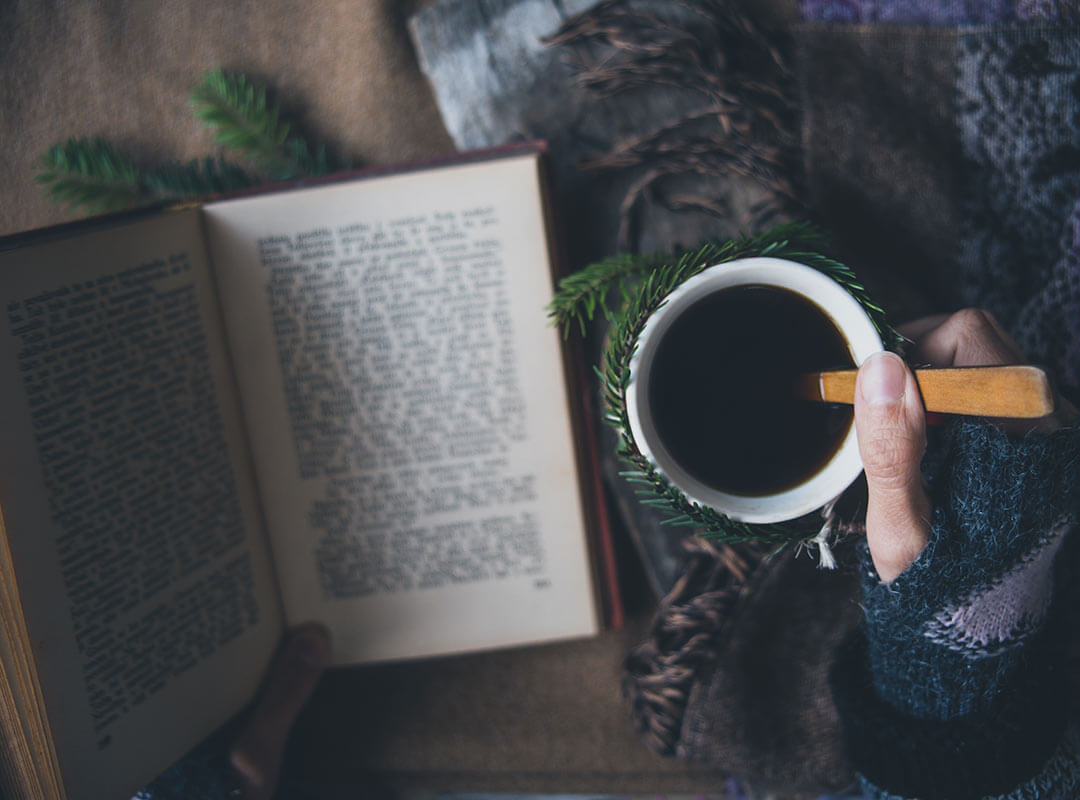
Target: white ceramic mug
(831, 299)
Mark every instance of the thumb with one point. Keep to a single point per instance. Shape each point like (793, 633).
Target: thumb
(256, 756)
(890, 424)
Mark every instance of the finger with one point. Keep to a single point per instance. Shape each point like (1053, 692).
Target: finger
(296, 670)
(917, 328)
(891, 430)
(968, 338)
(294, 673)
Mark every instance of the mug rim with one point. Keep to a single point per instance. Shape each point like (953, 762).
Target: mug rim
(835, 302)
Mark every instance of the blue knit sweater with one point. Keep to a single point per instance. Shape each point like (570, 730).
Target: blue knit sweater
(955, 686)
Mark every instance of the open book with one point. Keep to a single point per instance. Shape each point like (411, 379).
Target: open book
(340, 403)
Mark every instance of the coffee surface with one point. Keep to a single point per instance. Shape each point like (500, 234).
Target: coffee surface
(722, 390)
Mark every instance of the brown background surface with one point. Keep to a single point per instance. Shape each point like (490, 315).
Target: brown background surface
(124, 70)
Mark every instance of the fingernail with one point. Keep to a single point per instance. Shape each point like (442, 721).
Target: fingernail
(882, 379)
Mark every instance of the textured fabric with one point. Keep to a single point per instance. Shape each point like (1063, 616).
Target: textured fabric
(763, 701)
(982, 754)
(203, 774)
(930, 12)
(1049, 323)
(955, 688)
(947, 161)
(1004, 614)
(1059, 777)
(1018, 122)
(882, 158)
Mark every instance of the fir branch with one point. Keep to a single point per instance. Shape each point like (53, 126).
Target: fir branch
(94, 175)
(244, 116)
(580, 294)
(794, 241)
(89, 173)
(176, 181)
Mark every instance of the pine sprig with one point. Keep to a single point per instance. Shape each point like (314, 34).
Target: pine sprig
(89, 173)
(580, 294)
(243, 116)
(93, 175)
(793, 241)
(174, 180)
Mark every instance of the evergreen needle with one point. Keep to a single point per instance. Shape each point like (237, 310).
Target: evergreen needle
(94, 175)
(89, 174)
(174, 180)
(244, 117)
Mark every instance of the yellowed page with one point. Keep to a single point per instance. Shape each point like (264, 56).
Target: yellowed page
(407, 410)
(34, 769)
(128, 503)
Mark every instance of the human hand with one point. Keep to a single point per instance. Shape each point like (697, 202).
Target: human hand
(890, 425)
(293, 674)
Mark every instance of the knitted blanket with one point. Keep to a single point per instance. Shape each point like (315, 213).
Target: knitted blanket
(949, 156)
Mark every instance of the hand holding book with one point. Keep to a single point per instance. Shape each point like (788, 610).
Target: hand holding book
(290, 680)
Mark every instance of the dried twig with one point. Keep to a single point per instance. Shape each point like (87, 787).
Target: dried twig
(746, 126)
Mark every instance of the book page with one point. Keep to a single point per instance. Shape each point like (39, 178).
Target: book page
(406, 405)
(127, 499)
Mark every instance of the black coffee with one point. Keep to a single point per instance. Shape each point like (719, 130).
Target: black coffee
(722, 396)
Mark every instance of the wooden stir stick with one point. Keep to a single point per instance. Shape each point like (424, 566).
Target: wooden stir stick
(1021, 392)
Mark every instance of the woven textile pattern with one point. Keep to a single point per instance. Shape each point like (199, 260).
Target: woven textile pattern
(1049, 323)
(1018, 119)
(1060, 777)
(930, 12)
(1005, 612)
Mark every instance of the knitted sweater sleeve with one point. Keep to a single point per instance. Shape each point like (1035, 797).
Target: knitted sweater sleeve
(954, 687)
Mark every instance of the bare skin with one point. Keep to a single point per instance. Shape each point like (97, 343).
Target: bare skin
(256, 756)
